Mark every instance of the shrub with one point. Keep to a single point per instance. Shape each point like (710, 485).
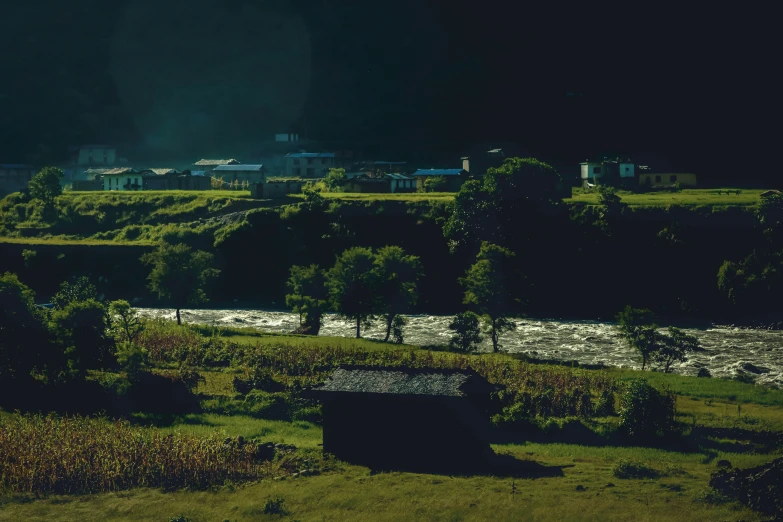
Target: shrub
(704, 372)
(605, 406)
(132, 359)
(274, 506)
(645, 411)
(628, 469)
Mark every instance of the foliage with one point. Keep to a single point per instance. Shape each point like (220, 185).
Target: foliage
(486, 289)
(274, 507)
(467, 333)
(638, 331)
(180, 274)
(80, 290)
(312, 194)
(397, 275)
(770, 217)
(629, 469)
(80, 331)
(132, 359)
(45, 186)
(125, 320)
(492, 209)
(23, 340)
(645, 411)
(334, 180)
(81, 455)
(675, 347)
(352, 283)
(397, 327)
(309, 295)
(434, 183)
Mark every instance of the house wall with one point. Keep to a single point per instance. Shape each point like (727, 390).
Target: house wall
(99, 156)
(403, 185)
(119, 182)
(588, 170)
(276, 189)
(14, 180)
(87, 184)
(627, 170)
(668, 179)
(320, 167)
(401, 431)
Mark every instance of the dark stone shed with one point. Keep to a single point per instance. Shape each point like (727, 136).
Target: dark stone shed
(418, 419)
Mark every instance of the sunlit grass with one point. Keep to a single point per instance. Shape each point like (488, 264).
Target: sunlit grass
(689, 197)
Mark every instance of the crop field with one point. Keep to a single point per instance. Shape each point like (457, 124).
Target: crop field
(686, 197)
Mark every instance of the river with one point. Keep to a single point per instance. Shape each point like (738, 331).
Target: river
(727, 350)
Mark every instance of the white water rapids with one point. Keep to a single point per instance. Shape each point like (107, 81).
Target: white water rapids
(727, 350)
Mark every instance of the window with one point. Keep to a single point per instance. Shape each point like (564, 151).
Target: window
(596, 170)
(657, 179)
(673, 178)
(297, 171)
(627, 169)
(309, 161)
(296, 161)
(323, 161)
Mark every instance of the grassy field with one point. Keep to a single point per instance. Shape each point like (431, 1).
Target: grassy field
(687, 197)
(178, 193)
(566, 469)
(556, 481)
(408, 196)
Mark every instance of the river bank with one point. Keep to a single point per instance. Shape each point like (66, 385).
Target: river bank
(729, 352)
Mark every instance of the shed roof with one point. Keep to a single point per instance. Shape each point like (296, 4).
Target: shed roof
(162, 172)
(400, 381)
(394, 175)
(122, 170)
(439, 172)
(238, 168)
(310, 155)
(213, 162)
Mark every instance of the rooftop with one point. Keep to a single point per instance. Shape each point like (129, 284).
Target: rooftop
(401, 381)
(162, 172)
(211, 162)
(439, 172)
(310, 155)
(120, 171)
(238, 168)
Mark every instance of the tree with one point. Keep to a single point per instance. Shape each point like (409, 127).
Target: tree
(22, 333)
(397, 277)
(610, 207)
(675, 347)
(467, 333)
(125, 320)
(334, 180)
(179, 274)
(770, 217)
(639, 332)
(434, 184)
(45, 186)
(309, 296)
(491, 209)
(486, 289)
(80, 290)
(80, 330)
(353, 287)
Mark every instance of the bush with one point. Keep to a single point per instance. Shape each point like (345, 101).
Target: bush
(274, 506)
(605, 406)
(628, 469)
(645, 411)
(132, 359)
(466, 330)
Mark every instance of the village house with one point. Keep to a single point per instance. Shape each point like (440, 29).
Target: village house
(204, 167)
(85, 155)
(240, 173)
(123, 178)
(595, 172)
(309, 164)
(395, 418)
(454, 178)
(385, 183)
(684, 179)
(14, 177)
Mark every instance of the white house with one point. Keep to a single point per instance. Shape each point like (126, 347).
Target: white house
(591, 172)
(123, 178)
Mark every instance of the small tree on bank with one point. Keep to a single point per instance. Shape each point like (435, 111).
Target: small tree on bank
(397, 276)
(467, 332)
(125, 321)
(309, 296)
(486, 289)
(352, 284)
(179, 274)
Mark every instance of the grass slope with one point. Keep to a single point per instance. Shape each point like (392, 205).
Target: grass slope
(687, 197)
